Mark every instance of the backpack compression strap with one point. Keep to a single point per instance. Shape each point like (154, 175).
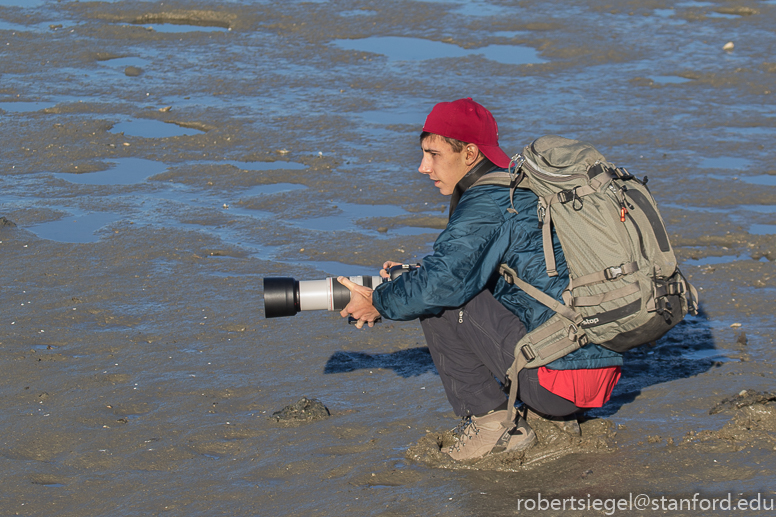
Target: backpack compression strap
(510, 276)
(554, 338)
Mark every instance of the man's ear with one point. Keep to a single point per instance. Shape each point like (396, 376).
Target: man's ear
(472, 154)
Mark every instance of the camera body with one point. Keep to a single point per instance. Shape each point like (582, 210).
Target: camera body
(285, 296)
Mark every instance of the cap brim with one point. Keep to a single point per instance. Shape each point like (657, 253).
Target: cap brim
(496, 155)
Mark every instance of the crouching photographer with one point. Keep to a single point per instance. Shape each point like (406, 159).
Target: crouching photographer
(471, 317)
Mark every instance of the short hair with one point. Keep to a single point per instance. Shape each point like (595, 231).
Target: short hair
(457, 145)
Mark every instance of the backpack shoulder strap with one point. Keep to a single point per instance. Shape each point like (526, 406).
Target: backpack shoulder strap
(513, 179)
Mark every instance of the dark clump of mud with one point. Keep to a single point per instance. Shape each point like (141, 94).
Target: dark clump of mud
(552, 443)
(743, 399)
(133, 71)
(303, 411)
(752, 425)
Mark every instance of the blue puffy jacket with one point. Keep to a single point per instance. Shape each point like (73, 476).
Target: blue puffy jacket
(480, 235)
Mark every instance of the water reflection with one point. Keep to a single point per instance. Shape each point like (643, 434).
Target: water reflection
(147, 128)
(125, 171)
(25, 107)
(669, 79)
(123, 62)
(725, 162)
(274, 188)
(418, 49)
(762, 179)
(78, 228)
(763, 229)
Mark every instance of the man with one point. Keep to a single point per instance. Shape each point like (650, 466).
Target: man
(471, 317)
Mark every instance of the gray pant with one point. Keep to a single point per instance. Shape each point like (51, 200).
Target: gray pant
(472, 347)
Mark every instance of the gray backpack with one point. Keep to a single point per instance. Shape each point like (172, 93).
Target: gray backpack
(625, 289)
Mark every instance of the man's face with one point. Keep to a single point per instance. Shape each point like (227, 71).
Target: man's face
(442, 164)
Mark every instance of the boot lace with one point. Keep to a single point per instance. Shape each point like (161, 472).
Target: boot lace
(466, 428)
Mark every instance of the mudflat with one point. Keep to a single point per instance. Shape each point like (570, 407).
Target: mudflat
(160, 159)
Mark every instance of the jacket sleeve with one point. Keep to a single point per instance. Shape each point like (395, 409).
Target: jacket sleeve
(466, 255)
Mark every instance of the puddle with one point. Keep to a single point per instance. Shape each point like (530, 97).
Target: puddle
(510, 34)
(474, 8)
(25, 107)
(271, 189)
(147, 128)
(358, 12)
(257, 166)
(724, 162)
(21, 3)
(49, 26)
(705, 354)
(695, 4)
(761, 209)
(5, 26)
(762, 179)
(387, 118)
(120, 63)
(767, 180)
(332, 268)
(267, 166)
(670, 79)
(708, 261)
(714, 14)
(756, 131)
(725, 259)
(479, 9)
(77, 229)
(418, 49)
(762, 229)
(413, 230)
(350, 211)
(126, 171)
(664, 13)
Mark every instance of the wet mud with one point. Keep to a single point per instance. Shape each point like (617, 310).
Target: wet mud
(159, 160)
(302, 411)
(552, 443)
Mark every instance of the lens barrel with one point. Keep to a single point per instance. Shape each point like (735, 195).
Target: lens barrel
(284, 296)
(281, 297)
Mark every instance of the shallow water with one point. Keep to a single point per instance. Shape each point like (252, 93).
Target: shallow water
(256, 139)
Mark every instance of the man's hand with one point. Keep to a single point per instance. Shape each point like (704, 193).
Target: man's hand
(388, 265)
(360, 306)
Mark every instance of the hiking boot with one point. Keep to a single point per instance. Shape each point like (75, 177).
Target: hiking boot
(477, 437)
(568, 424)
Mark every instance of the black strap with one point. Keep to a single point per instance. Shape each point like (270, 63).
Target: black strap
(479, 170)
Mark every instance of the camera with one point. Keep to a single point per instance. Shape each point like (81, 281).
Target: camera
(285, 296)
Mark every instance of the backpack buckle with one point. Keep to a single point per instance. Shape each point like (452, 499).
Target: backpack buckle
(664, 308)
(613, 272)
(528, 353)
(576, 336)
(676, 288)
(564, 196)
(515, 164)
(541, 213)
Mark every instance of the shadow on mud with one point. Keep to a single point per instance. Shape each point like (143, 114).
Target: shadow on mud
(686, 351)
(406, 363)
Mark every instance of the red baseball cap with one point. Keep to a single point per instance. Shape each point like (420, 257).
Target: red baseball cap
(469, 122)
